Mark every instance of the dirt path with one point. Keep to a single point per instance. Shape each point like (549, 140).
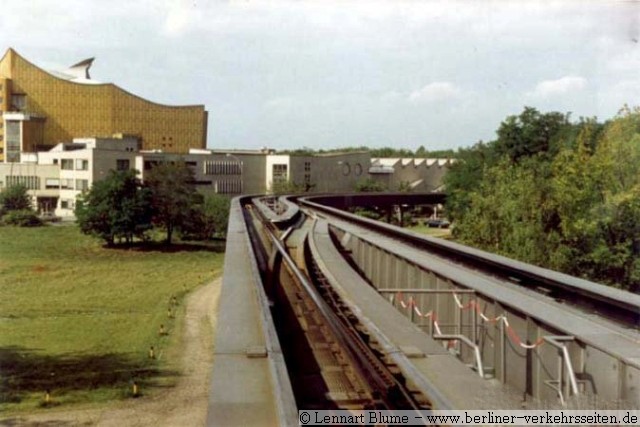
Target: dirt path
(183, 405)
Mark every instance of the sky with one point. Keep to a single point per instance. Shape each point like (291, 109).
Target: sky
(330, 74)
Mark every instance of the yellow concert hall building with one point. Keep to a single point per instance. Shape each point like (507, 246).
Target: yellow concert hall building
(43, 108)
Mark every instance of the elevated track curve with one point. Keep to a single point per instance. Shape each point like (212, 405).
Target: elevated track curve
(323, 309)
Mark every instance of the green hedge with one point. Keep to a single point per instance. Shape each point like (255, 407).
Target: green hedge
(22, 218)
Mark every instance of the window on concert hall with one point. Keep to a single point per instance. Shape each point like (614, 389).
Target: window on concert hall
(66, 164)
(19, 101)
(122, 164)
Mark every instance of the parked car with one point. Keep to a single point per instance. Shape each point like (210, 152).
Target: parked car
(438, 223)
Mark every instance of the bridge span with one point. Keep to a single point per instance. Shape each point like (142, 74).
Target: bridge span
(324, 309)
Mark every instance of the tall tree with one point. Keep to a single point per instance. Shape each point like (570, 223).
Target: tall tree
(421, 151)
(507, 212)
(117, 207)
(391, 152)
(573, 206)
(173, 195)
(216, 213)
(14, 198)
(208, 220)
(531, 133)
(466, 175)
(602, 233)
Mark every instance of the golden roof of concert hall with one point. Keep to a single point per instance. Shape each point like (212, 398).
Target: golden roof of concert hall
(70, 104)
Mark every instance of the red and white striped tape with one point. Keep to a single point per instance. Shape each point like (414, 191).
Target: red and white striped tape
(513, 335)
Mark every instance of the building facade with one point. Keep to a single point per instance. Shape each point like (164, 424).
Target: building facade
(330, 172)
(41, 109)
(265, 171)
(57, 177)
(410, 174)
(112, 129)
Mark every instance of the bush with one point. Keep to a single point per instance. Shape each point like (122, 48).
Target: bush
(115, 208)
(14, 198)
(370, 185)
(22, 218)
(208, 220)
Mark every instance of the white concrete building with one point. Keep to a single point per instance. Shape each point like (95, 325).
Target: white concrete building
(56, 178)
(85, 161)
(418, 174)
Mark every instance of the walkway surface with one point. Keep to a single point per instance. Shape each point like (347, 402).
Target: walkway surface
(182, 405)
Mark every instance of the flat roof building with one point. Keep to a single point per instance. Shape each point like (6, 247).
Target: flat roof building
(410, 174)
(41, 109)
(56, 177)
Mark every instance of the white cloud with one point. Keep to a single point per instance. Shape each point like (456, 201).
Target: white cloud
(391, 96)
(624, 92)
(561, 86)
(627, 61)
(360, 66)
(181, 15)
(435, 92)
(283, 103)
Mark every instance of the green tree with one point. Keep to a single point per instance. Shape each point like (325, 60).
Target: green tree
(174, 197)
(404, 187)
(391, 152)
(289, 187)
(572, 206)
(370, 185)
(439, 154)
(597, 193)
(14, 198)
(117, 207)
(210, 219)
(466, 175)
(22, 218)
(507, 213)
(216, 213)
(531, 133)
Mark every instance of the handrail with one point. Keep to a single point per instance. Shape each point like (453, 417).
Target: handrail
(558, 342)
(464, 339)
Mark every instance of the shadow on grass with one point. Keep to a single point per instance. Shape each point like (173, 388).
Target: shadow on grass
(216, 246)
(24, 371)
(19, 422)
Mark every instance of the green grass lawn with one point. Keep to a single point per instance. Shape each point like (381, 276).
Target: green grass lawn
(78, 319)
(444, 233)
